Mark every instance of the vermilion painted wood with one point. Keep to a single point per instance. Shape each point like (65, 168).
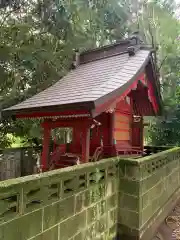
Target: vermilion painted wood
(123, 112)
(126, 111)
(49, 124)
(137, 140)
(81, 139)
(152, 96)
(103, 134)
(85, 144)
(111, 136)
(113, 102)
(76, 145)
(121, 130)
(67, 123)
(123, 109)
(45, 151)
(51, 114)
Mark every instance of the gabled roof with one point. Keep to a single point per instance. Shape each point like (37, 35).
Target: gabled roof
(100, 73)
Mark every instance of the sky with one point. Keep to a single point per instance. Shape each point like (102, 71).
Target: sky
(178, 10)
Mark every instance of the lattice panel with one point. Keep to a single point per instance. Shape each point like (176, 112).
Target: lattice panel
(9, 206)
(34, 198)
(158, 162)
(97, 176)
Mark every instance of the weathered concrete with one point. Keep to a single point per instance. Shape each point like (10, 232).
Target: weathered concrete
(149, 189)
(72, 203)
(92, 201)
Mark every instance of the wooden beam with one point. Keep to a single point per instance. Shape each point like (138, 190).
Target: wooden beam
(67, 123)
(112, 124)
(53, 114)
(142, 134)
(111, 103)
(131, 121)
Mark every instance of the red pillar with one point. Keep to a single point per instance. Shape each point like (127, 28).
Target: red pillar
(45, 152)
(85, 144)
(111, 128)
(142, 133)
(76, 141)
(111, 134)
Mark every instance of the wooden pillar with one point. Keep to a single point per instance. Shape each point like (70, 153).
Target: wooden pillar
(132, 121)
(111, 128)
(76, 136)
(85, 144)
(45, 151)
(142, 134)
(111, 134)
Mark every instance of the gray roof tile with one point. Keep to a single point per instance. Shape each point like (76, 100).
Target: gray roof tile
(89, 82)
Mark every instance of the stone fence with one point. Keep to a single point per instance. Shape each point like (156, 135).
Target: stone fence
(149, 189)
(63, 204)
(92, 201)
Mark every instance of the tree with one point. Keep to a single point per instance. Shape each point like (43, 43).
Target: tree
(38, 41)
(157, 23)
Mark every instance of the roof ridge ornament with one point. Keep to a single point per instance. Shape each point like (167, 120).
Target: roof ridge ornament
(135, 38)
(136, 43)
(76, 59)
(133, 49)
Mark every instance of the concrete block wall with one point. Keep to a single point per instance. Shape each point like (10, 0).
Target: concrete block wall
(149, 189)
(69, 204)
(92, 201)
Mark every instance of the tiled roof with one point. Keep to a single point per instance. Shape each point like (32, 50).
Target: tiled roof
(89, 82)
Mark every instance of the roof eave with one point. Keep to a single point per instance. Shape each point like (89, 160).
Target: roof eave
(116, 93)
(12, 113)
(158, 90)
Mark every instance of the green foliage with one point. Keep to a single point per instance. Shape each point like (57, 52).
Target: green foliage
(37, 45)
(161, 29)
(38, 39)
(166, 131)
(5, 141)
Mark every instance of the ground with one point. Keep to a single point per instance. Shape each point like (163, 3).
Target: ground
(170, 228)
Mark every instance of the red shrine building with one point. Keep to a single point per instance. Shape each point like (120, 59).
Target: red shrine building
(102, 99)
